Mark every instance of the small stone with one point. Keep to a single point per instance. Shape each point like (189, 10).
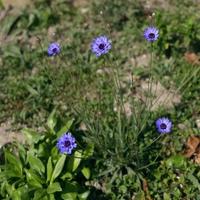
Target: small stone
(103, 71)
(83, 127)
(198, 123)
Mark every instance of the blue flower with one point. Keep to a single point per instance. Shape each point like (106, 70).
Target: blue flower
(163, 125)
(53, 49)
(151, 34)
(100, 45)
(66, 143)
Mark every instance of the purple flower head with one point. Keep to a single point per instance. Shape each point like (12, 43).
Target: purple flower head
(53, 49)
(100, 45)
(163, 125)
(151, 34)
(66, 143)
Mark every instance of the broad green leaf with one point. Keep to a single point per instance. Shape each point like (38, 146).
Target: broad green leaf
(58, 168)
(3, 188)
(16, 195)
(31, 136)
(74, 161)
(86, 172)
(9, 23)
(166, 196)
(84, 195)
(52, 197)
(36, 163)
(67, 176)
(69, 196)
(123, 189)
(55, 154)
(49, 169)
(51, 121)
(88, 151)
(15, 162)
(54, 187)
(33, 179)
(10, 172)
(2, 174)
(10, 189)
(65, 128)
(39, 194)
(24, 193)
(31, 20)
(22, 152)
(42, 149)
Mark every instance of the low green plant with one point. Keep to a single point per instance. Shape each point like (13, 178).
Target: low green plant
(175, 178)
(38, 171)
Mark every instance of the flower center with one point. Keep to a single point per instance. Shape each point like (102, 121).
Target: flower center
(151, 35)
(163, 126)
(54, 50)
(101, 46)
(67, 143)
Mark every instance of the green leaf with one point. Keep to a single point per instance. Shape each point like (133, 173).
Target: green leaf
(166, 196)
(39, 194)
(9, 23)
(65, 128)
(88, 152)
(32, 136)
(84, 195)
(15, 163)
(31, 20)
(9, 189)
(55, 154)
(52, 120)
(69, 196)
(54, 187)
(86, 172)
(31, 90)
(33, 179)
(36, 163)
(22, 152)
(58, 168)
(16, 195)
(140, 196)
(10, 172)
(123, 189)
(74, 161)
(177, 161)
(24, 193)
(42, 149)
(49, 169)
(194, 180)
(67, 176)
(51, 197)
